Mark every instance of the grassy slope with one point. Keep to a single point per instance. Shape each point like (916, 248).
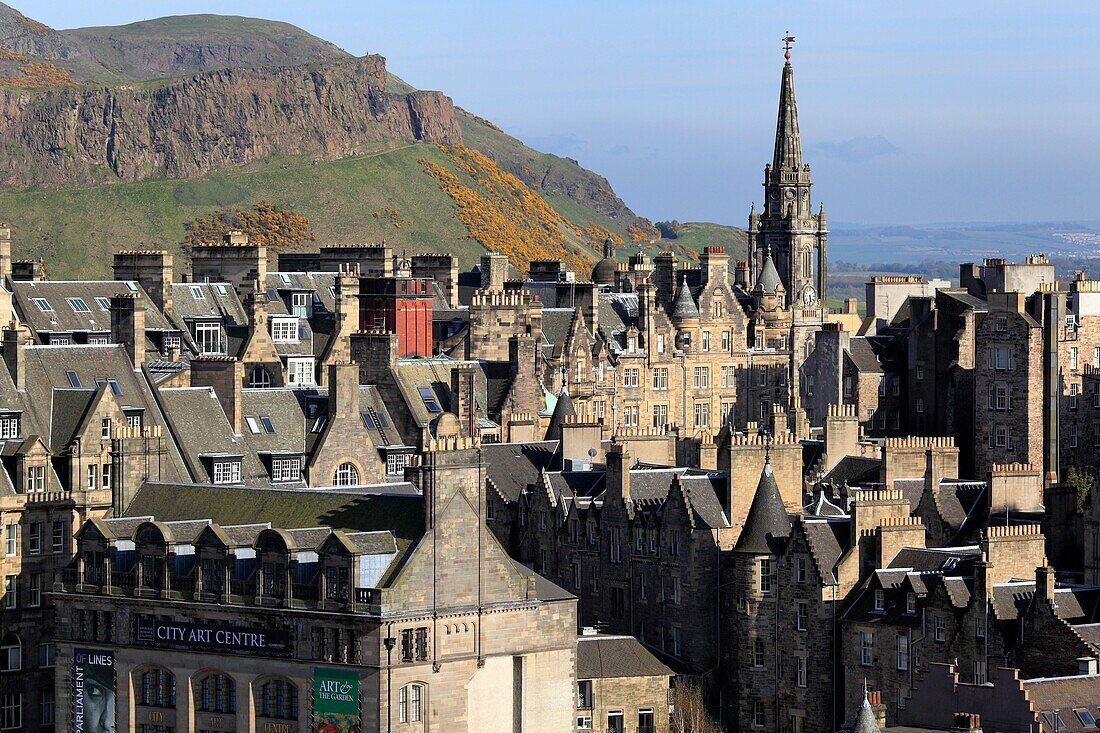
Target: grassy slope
(106, 64)
(76, 230)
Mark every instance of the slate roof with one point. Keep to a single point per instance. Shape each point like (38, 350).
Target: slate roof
(854, 470)
(47, 370)
(201, 428)
(368, 509)
(321, 284)
(63, 318)
(555, 328)
(1075, 604)
(767, 522)
(947, 559)
(825, 544)
(1064, 694)
(602, 656)
(617, 311)
(511, 467)
(863, 356)
(284, 413)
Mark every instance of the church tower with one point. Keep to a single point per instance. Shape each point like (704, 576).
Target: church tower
(788, 229)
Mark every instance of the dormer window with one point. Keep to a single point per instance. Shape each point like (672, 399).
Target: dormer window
(300, 304)
(227, 471)
(284, 329)
(208, 337)
(135, 418)
(36, 479)
(9, 426)
(286, 469)
(631, 344)
(910, 603)
(880, 600)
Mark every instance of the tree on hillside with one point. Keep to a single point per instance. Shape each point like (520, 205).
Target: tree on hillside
(668, 229)
(263, 223)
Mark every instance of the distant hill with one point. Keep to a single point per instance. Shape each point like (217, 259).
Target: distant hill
(163, 120)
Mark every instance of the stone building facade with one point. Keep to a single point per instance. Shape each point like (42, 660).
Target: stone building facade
(433, 634)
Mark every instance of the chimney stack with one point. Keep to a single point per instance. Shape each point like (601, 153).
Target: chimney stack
(14, 356)
(343, 390)
(226, 375)
(128, 326)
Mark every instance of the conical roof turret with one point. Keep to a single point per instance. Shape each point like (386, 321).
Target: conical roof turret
(865, 720)
(563, 409)
(684, 305)
(767, 525)
(769, 278)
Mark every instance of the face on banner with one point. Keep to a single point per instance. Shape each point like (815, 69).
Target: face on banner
(93, 691)
(335, 701)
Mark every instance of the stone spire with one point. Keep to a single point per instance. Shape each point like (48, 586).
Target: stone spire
(788, 141)
(767, 523)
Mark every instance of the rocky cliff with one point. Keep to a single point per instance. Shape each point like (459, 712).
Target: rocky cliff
(231, 117)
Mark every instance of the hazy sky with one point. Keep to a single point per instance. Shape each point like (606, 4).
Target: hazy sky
(911, 112)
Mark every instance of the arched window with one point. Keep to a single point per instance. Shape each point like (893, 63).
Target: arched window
(218, 694)
(346, 475)
(410, 703)
(279, 699)
(259, 377)
(158, 688)
(11, 653)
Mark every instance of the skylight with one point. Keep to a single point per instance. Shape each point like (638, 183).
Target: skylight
(131, 286)
(196, 293)
(74, 380)
(269, 427)
(429, 398)
(78, 305)
(43, 305)
(103, 303)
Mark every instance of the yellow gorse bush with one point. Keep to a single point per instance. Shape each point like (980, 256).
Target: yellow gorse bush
(502, 213)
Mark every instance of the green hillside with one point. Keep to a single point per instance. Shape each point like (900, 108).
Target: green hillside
(77, 230)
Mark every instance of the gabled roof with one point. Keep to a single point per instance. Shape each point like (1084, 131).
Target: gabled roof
(511, 467)
(767, 524)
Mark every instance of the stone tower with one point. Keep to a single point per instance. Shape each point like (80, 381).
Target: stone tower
(788, 227)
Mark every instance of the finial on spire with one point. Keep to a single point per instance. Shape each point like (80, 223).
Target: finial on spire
(788, 39)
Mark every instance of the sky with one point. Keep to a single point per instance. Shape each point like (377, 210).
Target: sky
(911, 113)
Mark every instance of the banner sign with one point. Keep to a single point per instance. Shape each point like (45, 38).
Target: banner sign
(335, 701)
(93, 691)
(197, 636)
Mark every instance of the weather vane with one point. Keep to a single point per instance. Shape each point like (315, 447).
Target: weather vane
(787, 41)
